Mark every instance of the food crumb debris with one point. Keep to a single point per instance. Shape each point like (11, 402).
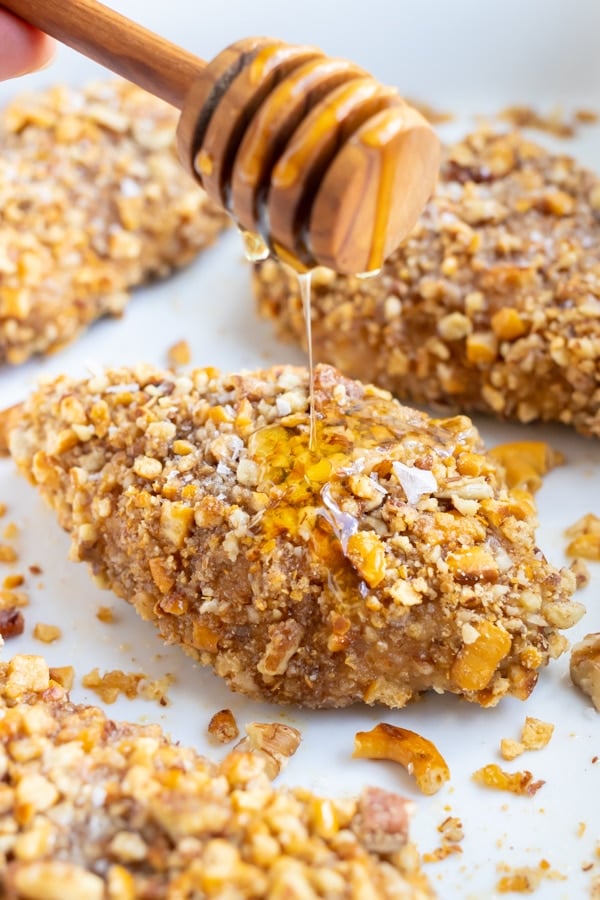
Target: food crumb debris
(223, 727)
(522, 783)
(525, 879)
(526, 462)
(585, 667)
(419, 756)
(47, 634)
(3, 509)
(35, 570)
(13, 581)
(595, 888)
(63, 675)
(556, 122)
(11, 531)
(585, 534)
(452, 832)
(581, 573)
(156, 689)
(8, 554)
(112, 683)
(11, 599)
(180, 354)
(12, 623)
(275, 742)
(581, 829)
(105, 614)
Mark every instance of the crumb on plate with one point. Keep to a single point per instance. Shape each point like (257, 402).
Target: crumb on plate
(223, 727)
(521, 783)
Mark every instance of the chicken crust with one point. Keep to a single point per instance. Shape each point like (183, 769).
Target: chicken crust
(492, 304)
(92, 809)
(391, 561)
(93, 202)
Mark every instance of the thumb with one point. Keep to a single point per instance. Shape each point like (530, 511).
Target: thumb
(22, 47)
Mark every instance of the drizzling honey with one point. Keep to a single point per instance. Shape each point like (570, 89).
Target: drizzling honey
(315, 498)
(255, 248)
(304, 284)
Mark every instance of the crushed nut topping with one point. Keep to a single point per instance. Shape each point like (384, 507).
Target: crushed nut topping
(94, 202)
(299, 575)
(499, 280)
(419, 756)
(98, 808)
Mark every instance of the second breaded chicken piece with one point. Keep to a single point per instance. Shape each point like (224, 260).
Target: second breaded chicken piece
(93, 202)
(93, 809)
(391, 561)
(492, 304)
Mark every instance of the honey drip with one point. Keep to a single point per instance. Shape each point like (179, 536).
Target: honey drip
(255, 248)
(309, 498)
(304, 284)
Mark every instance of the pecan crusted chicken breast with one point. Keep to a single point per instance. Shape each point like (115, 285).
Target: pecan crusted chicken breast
(390, 561)
(92, 809)
(492, 304)
(93, 202)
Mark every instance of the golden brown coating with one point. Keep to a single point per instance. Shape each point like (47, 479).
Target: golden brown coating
(93, 202)
(392, 561)
(492, 304)
(92, 809)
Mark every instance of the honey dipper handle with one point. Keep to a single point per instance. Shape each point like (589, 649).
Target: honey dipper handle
(116, 42)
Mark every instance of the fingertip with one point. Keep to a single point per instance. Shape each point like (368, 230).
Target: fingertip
(23, 48)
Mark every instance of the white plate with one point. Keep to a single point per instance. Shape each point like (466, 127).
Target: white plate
(467, 57)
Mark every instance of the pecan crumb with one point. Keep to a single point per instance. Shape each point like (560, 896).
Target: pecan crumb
(12, 623)
(111, 684)
(494, 777)
(63, 675)
(223, 727)
(105, 614)
(8, 554)
(273, 741)
(585, 667)
(179, 354)
(11, 599)
(46, 633)
(586, 538)
(581, 573)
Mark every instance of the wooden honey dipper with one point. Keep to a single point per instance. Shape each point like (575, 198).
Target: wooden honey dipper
(325, 164)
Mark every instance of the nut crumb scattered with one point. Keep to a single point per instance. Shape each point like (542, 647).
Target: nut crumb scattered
(111, 684)
(11, 599)
(556, 122)
(46, 633)
(585, 667)
(12, 623)
(63, 675)
(452, 829)
(526, 879)
(581, 829)
(13, 581)
(536, 734)
(3, 509)
(510, 749)
(223, 727)
(586, 538)
(581, 573)
(105, 614)
(11, 531)
(522, 783)
(156, 689)
(179, 354)
(36, 570)
(8, 554)
(419, 756)
(273, 741)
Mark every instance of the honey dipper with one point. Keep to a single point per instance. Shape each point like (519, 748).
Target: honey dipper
(325, 164)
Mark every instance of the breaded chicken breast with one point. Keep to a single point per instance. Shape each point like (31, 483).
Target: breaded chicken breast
(390, 560)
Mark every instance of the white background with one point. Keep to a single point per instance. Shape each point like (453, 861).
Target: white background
(470, 57)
